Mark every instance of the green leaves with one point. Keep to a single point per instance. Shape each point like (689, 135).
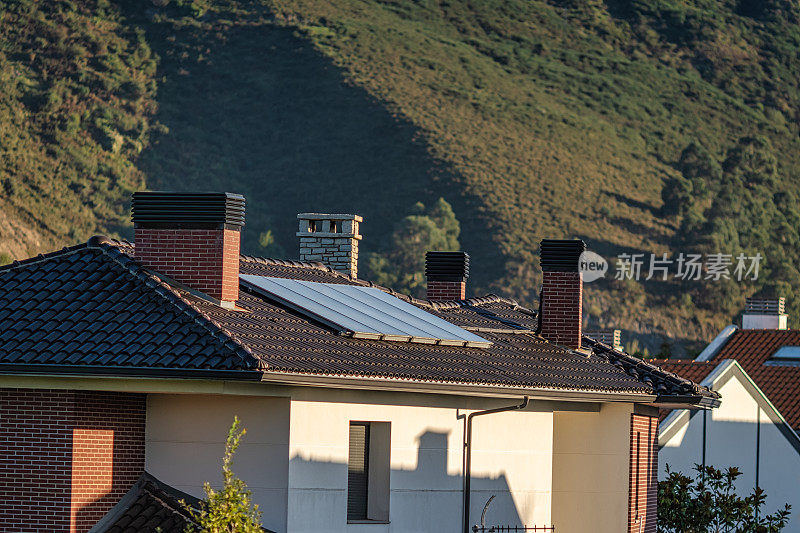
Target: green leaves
(231, 509)
(710, 503)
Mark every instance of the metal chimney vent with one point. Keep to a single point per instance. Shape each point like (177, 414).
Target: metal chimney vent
(765, 306)
(558, 255)
(447, 266)
(180, 209)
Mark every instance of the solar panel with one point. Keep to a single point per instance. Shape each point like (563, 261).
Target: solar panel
(363, 312)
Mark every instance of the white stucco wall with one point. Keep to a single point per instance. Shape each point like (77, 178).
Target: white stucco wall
(511, 459)
(591, 461)
(731, 436)
(779, 472)
(185, 440)
(294, 458)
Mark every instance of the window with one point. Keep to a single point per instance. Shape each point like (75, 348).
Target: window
(368, 471)
(785, 355)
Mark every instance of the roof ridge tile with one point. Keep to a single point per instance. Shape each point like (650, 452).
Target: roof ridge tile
(633, 365)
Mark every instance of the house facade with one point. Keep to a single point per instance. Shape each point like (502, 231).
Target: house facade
(123, 364)
(756, 427)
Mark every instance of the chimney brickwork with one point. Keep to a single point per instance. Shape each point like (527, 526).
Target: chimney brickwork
(446, 274)
(192, 238)
(562, 291)
(331, 239)
(446, 290)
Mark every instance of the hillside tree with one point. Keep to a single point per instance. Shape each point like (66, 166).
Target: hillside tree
(402, 265)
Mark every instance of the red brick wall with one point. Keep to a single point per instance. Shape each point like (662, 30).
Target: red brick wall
(643, 488)
(439, 291)
(206, 260)
(562, 311)
(68, 456)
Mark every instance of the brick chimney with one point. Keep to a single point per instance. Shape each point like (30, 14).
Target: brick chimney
(192, 238)
(330, 239)
(447, 274)
(764, 313)
(562, 291)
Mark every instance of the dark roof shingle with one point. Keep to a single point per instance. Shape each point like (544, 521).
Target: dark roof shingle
(93, 305)
(149, 507)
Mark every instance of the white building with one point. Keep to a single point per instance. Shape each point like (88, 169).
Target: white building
(365, 410)
(755, 370)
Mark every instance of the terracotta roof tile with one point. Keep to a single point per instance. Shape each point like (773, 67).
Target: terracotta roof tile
(696, 371)
(752, 348)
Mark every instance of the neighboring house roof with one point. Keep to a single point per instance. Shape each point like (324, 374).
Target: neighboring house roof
(92, 308)
(714, 375)
(752, 348)
(694, 370)
(150, 506)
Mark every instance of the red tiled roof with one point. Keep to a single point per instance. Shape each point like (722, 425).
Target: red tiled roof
(781, 384)
(696, 371)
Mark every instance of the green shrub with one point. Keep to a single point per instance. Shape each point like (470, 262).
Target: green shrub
(230, 509)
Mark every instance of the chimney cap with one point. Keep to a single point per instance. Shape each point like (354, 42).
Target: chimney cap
(765, 306)
(560, 255)
(167, 208)
(326, 216)
(447, 266)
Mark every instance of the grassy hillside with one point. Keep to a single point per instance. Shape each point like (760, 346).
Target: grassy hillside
(533, 119)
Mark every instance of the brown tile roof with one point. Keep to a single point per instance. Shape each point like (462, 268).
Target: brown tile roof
(781, 384)
(93, 307)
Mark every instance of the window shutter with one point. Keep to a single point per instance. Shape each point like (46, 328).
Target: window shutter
(358, 472)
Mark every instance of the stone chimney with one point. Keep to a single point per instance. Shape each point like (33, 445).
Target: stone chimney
(330, 239)
(447, 274)
(562, 291)
(192, 238)
(764, 313)
(611, 337)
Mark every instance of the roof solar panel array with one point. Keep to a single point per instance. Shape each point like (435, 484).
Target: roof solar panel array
(363, 312)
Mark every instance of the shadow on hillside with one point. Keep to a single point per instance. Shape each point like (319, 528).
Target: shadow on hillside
(253, 108)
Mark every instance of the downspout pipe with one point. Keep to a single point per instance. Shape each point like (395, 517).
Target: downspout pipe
(468, 452)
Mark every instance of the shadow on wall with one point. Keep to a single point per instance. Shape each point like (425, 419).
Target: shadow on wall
(424, 499)
(254, 108)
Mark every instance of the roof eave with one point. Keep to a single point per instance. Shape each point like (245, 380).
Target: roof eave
(669, 401)
(460, 389)
(110, 371)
